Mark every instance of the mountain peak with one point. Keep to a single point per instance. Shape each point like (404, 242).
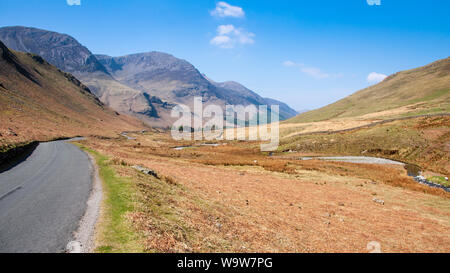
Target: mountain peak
(147, 61)
(61, 50)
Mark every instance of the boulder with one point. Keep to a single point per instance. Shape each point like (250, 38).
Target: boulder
(146, 171)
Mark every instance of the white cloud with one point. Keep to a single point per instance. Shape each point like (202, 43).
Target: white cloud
(376, 77)
(225, 29)
(289, 63)
(224, 9)
(222, 41)
(74, 2)
(314, 72)
(228, 36)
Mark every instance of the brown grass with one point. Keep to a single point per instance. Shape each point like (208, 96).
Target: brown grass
(218, 199)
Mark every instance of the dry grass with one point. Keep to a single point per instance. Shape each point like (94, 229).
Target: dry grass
(232, 198)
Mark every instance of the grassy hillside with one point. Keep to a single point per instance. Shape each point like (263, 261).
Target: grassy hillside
(419, 91)
(39, 102)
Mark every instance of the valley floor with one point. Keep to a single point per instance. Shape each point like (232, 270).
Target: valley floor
(233, 198)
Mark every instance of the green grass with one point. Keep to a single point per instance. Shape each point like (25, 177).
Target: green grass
(116, 234)
(435, 95)
(439, 180)
(443, 108)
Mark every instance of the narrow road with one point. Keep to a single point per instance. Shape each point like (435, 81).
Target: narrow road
(43, 199)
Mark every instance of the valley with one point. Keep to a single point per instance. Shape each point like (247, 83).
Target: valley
(187, 196)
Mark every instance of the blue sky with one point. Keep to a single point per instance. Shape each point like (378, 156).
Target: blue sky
(305, 53)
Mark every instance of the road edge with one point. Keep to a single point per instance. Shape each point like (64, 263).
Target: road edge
(84, 236)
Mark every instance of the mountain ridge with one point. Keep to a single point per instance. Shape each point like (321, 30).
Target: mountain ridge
(189, 83)
(127, 83)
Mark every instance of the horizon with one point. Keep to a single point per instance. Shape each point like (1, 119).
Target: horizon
(313, 61)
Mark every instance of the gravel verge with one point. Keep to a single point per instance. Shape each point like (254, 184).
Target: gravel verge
(84, 237)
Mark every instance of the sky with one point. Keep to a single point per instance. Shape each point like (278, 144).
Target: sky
(305, 53)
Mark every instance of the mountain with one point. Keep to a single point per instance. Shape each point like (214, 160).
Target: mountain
(175, 80)
(178, 81)
(69, 55)
(161, 75)
(424, 90)
(145, 85)
(40, 102)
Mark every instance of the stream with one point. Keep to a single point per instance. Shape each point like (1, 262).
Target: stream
(414, 171)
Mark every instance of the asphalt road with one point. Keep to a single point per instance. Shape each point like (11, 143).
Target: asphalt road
(43, 199)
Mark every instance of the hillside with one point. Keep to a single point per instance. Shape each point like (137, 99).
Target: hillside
(40, 102)
(425, 90)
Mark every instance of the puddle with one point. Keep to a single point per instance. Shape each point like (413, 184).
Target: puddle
(183, 147)
(127, 137)
(357, 159)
